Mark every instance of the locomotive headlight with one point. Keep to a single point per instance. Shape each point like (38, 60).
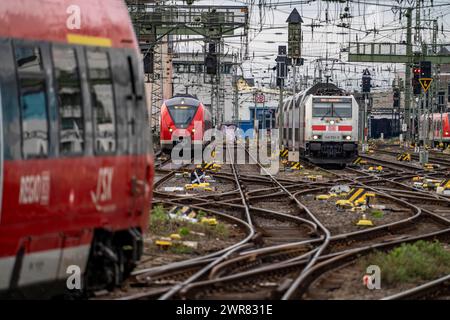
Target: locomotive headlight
(193, 130)
(331, 122)
(315, 137)
(170, 129)
(348, 138)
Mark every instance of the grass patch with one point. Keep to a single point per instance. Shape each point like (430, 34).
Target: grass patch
(377, 214)
(422, 260)
(159, 219)
(222, 231)
(201, 214)
(184, 231)
(162, 225)
(180, 249)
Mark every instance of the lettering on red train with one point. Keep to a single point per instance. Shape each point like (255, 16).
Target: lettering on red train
(103, 192)
(35, 189)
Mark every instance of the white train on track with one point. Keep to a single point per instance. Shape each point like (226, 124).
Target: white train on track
(323, 123)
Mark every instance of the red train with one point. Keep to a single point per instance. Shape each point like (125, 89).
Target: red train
(183, 117)
(76, 168)
(435, 124)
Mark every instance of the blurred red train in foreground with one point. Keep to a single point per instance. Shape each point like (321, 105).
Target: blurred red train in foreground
(436, 126)
(75, 164)
(183, 117)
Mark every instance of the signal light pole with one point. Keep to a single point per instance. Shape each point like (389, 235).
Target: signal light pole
(366, 85)
(294, 52)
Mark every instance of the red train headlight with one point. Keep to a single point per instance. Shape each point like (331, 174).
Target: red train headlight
(193, 130)
(170, 129)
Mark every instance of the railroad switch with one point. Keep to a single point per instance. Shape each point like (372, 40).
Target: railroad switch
(183, 213)
(430, 166)
(444, 187)
(364, 222)
(357, 197)
(359, 161)
(164, 243)
(352, 196)
(175, 236)
(296, 166)
(404, 157)
(191, 186)
(210, 166)
(179, 210)
(364, 199)
(209, 221)
(375, 169)
(325, 196)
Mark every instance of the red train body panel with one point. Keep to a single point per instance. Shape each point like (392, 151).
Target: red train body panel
(76, 167)
(434, 125)
(183, 117)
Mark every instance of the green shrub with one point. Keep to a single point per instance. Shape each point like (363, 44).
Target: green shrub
(184, 231)
(180, 249)
(422, 260)
(159, 219)
(377, 214)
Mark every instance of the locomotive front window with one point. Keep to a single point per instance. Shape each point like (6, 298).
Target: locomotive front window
(182, 115)
(331, 110)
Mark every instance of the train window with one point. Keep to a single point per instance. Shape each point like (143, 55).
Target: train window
(182, 115)
(71, 135)
(327, 109)
(34, 117)
(102, 101)
(33, 102)
(28, 59)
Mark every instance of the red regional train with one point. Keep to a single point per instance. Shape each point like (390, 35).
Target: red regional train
(76, 168)
(183, 117)
(436, 126)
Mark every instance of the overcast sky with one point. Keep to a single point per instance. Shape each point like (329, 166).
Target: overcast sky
(372, 21)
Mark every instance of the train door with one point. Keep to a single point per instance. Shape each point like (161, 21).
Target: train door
(134, 99)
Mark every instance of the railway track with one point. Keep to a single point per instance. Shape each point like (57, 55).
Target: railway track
(288, 239)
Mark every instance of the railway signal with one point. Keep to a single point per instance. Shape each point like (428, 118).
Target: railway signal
(396, 98)
(366, 81)
(417, 87)
(425, 79)
(211, 60)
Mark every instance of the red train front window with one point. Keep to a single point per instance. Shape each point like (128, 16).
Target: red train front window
(182, 115)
